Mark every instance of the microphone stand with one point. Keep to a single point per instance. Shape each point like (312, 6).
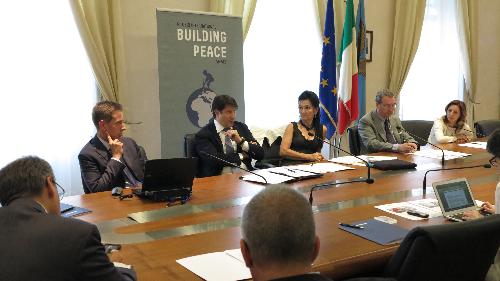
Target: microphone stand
(419, 138)
(232, 164)
(368, 164)
(368, 180)
(332, 183)
(424, 183)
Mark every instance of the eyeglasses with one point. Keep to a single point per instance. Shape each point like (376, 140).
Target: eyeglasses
(493, 161)
(394, 105)
(60, 190)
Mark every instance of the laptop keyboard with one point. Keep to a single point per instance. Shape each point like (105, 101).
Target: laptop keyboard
(457, 217)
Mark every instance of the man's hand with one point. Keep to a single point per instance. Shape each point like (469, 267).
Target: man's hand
(488, 207)
(116, 147)
(471, 215)
(233, 134)
(407, 147)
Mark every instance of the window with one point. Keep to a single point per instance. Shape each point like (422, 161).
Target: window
(282, 57)
(47, 89)
(435, 77)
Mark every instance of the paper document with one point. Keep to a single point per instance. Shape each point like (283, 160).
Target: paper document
(322, 168)
(475, 144)
(351, 160)
(437, 154)
(428, 206)
(218, 266)
(292, 173)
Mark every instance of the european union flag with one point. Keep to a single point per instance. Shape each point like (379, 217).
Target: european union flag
(328, 75)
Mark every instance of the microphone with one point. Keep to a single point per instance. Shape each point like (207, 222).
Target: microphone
(475, 133)
(333, 183)
(232, 164)
(368, 180)
(368, 164)
(401, 130)
(424, 183)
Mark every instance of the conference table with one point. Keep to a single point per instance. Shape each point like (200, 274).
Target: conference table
(158, 235)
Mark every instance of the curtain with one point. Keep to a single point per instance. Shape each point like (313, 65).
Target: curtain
(339, 15)
(243, 8)
(407, 27)
(47, 89)
(97, 22)
(466, 11)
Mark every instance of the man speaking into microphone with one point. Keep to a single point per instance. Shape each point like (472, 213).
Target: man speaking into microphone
(225, 138)
(378, 128)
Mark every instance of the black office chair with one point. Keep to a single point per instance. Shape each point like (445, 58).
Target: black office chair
(272, 156)
(354, 140)
(189, 150)
(486, 127)
(420, 128)
(455, 251)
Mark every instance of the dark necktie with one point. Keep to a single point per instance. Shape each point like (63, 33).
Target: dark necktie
(228, 143)
(129, 177)
(388, 133)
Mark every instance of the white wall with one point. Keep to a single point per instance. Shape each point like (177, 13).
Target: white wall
(488, 60)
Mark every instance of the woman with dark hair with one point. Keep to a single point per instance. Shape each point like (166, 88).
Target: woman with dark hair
(451, 127)
(303, 140)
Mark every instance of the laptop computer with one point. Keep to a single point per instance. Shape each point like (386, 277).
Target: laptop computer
(168, 179)
(454, 197)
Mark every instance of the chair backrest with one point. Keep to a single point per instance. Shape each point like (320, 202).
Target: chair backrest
(189, 150)
(354, 140)
(272, 156)
(486, 127)
(419, 128)
(456, 251)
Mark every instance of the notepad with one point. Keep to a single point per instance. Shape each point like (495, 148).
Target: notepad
(72, 211)
(219, 266)
(376, 231)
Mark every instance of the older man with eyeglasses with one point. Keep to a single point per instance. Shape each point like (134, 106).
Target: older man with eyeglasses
(36, 243)
(380, 129)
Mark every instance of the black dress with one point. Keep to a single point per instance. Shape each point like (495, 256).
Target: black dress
(303, 145)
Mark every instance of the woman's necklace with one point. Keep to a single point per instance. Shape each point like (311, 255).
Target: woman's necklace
(307, 128)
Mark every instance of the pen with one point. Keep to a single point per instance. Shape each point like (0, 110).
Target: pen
(350, 225)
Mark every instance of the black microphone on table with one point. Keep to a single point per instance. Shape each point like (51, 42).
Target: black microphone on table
(401, 130)
(367, 164)
(475, 133)
(424, 183)
(368, 180)
(232, 164)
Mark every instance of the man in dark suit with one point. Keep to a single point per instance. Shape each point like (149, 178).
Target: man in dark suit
(36, 243)
(109, 159)
(279, 242)
(380, 129)
(225, 138)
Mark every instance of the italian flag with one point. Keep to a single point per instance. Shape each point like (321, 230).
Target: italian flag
(348, 79)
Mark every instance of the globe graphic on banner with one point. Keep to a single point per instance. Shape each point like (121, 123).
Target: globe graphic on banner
(199, 106)
(199, 103)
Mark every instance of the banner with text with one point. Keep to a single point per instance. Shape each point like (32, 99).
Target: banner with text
(199, 56)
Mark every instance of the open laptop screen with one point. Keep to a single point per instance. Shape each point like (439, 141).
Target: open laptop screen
(455, 195)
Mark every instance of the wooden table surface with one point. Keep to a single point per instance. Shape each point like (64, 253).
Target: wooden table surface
(341, 255)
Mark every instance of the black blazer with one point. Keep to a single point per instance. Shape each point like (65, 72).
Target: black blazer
(42, 247)
(100, 173)
(209, 141)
